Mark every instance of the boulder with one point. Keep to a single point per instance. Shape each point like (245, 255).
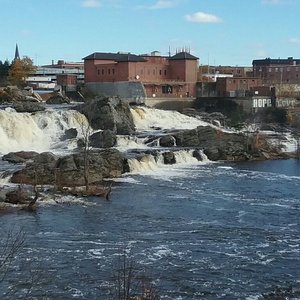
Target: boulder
(70, 133)
(40, 171)
(69, 170)
(221, 145)
(167, 141)
(169, 158)
(19, 157)
(197, 154)
(103, 139)
(58, 98)
(107, 113)
(14, 94)
(29, 107)
(101, 164)
(18, 196)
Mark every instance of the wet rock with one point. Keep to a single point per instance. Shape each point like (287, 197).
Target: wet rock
(69, 170)
(14, 94)
(19, 196)
(197, 154)
(39, 171)
(103, 139)
(57, 98)
(29, 107)
(221, 145)
(70, 134)
(107, 113)
(169, 158)
(167, 141)
(19, 157)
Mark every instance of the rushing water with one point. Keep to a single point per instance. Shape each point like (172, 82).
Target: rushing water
(210, 231)
(199, 230)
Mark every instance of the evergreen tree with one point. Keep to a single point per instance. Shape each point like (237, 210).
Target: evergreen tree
(4, 69)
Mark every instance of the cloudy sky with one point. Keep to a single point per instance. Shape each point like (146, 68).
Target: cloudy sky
(219, 32)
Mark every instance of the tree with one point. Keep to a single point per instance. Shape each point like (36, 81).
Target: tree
(129, 282)
(20, 70)
(10, 247)
(4, 69)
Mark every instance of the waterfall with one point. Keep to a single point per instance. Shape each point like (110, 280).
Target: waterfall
(149, 119)
(150, 163)
(37, 132)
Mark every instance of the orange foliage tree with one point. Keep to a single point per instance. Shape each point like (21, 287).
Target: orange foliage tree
(20, 69)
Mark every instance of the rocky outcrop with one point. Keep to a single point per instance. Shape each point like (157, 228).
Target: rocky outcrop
(13, 94)
(221, 145)
(167, 141)
(107, 113)
(70, 133)
(58, 98)
(39, 171)
(169, 158)
(29, 107)
(19, 157)
(103, 139)
(47, 168)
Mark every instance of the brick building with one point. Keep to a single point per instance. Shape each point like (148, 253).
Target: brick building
(138, 76)
(236, 86)
(210, 73)
(277, 71)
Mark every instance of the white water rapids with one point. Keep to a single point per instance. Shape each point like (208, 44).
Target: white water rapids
(37, 132)
(42, 131)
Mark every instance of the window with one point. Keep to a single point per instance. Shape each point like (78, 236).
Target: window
(108, 71)
(113, 71)
(167, 89)
(159, 72)
(165, 72)
(102, 71)
(98, 72)
(153, 71)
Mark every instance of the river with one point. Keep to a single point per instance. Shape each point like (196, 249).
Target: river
(211, 231)
(198, 230)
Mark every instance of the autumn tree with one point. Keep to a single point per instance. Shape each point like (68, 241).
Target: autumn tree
(20, 70)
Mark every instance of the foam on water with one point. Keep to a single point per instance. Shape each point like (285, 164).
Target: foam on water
(147, 119)
(130, 142)
(155, 167)
(37, 132)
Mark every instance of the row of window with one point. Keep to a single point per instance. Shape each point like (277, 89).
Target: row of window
(109, 71)
(112, 71)
(154, 72)
(241, 81)
(288, 69)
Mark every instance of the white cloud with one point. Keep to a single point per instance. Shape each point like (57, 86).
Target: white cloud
(91, 3)
(294, 40)
(201, 17)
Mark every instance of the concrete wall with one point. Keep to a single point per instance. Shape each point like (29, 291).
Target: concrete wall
(170, 103)
(132, 91)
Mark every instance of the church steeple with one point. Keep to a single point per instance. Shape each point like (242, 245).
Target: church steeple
(17, 55)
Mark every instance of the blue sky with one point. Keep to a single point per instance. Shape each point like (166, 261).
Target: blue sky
(219, 32)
